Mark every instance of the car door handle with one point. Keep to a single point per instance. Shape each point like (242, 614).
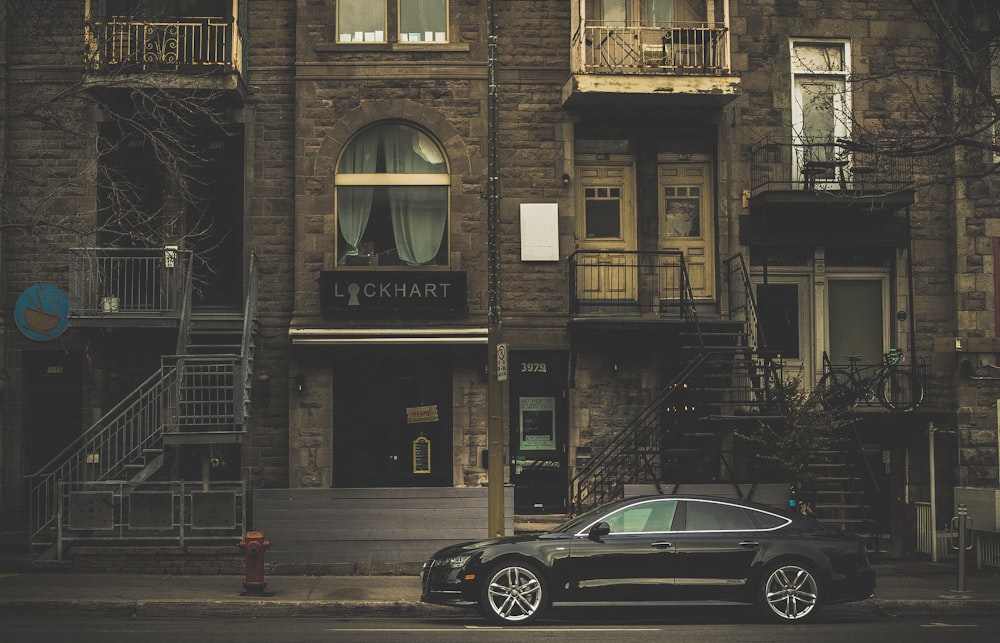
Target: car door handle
(662, 544)
(749, 544)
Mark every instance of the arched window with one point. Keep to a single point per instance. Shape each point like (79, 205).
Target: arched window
(392, 199)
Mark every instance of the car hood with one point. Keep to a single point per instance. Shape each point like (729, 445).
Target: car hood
(473, 546)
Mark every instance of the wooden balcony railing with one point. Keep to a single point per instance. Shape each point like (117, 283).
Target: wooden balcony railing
(676, 49)
(182, 44)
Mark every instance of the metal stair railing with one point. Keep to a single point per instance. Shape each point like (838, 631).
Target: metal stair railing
(248, 345)
(632, 451)
(743, 304)
(101, 453)
(187, 392)
(629, 452)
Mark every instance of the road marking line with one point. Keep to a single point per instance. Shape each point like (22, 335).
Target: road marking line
(497, 628)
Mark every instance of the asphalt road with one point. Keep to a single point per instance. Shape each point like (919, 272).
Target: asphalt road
(675, 626)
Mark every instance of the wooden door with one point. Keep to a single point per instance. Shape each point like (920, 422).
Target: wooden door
(686, 224)
(606, 234)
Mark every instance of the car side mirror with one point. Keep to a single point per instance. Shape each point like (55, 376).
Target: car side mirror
(599, 530)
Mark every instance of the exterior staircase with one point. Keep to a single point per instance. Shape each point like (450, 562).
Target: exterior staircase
(200, 395)
(687, 433)
(842, 493)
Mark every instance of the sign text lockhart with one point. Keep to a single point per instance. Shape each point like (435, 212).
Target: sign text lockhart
(363, 291)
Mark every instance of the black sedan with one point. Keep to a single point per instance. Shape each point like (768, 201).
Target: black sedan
(657, 549)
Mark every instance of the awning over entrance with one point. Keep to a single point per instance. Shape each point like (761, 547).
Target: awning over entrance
(335, 336)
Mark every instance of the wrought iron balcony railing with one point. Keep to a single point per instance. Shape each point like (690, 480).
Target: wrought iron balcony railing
(629, 283)
(186, 43)
(682, 48)
(127, 281)
(842, 166)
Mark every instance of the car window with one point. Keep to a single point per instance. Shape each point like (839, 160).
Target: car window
(714, 516)
(646, 517)
(764, 520)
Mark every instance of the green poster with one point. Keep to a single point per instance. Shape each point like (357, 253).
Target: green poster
(538, 423)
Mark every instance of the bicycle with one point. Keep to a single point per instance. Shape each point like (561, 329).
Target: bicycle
(895, 388)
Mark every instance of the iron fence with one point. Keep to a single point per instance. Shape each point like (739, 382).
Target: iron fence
(840, 165)
(161, 511)
(629, 283)
(127, 280)
(188, 42)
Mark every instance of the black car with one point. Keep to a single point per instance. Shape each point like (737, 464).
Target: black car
(657, 549)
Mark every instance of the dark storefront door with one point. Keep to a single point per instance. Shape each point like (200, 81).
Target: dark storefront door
(538, 429)
(392, 420)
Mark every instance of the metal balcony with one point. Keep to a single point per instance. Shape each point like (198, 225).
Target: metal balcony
(120, 283)
(181, 50)
(629, 284)
(838, 192)
(840, 172)
(681, 63)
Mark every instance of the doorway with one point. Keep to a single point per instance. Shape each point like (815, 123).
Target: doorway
(392, 419)
(539, 425)
(687, 223)
(53, 405)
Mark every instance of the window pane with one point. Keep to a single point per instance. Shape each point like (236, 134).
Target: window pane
(659, 13)
(710, 516)
(423, 20)
(681, 217)
(818, 58)
(603, 219)
(360, 21)
(855, 314)
(614, 13)
(778, 311)
(649, 516)
(819, 115)
(394, 211)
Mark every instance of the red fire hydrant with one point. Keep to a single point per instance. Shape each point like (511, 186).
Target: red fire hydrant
(254, 545)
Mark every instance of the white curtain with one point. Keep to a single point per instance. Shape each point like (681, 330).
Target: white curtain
(419, 213)
(418, 222)
(354, 204)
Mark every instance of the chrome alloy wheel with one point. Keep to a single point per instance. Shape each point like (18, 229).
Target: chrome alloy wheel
(515, 593)
(790, 593)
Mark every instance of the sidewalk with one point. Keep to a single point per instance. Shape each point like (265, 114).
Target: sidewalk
(904, 588)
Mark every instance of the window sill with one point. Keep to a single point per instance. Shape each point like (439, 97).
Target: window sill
(354, 47)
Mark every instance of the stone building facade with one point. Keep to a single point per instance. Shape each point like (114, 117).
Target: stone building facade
(639, 150)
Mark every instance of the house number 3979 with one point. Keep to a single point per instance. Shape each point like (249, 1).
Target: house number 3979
(534, 367)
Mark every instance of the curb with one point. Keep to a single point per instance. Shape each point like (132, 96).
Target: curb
(251, 608)
(944, 605)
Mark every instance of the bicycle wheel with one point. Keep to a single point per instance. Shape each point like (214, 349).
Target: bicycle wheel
(837, 388)
(899, 390)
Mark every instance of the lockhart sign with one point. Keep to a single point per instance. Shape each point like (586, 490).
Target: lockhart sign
(363, 291)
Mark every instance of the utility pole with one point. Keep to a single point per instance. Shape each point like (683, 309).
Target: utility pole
(494, 394)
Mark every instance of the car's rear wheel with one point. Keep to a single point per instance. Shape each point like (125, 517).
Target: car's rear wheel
(514, 593)
(789, 593)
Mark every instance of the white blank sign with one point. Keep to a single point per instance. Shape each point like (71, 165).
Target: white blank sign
(539, 232)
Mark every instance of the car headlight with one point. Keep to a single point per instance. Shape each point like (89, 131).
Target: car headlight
(455, 562)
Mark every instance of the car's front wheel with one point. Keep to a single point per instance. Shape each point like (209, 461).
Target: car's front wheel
(514, 593)
(789, 593)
